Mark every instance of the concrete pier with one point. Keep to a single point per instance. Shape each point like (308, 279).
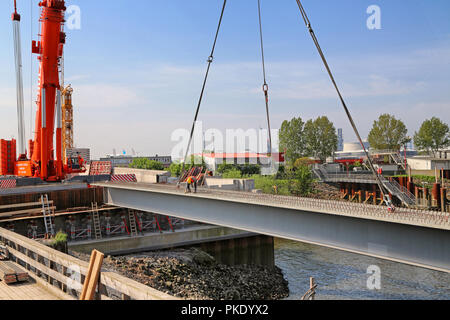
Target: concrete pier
(227, 246)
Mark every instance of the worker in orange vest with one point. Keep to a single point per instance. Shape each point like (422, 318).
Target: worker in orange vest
(191, 180)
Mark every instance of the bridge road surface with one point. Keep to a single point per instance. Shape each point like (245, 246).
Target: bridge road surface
(420, 238)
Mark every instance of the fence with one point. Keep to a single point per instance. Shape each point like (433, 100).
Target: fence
(64, 275)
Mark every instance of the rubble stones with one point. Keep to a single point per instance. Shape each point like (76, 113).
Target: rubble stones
(194, 274)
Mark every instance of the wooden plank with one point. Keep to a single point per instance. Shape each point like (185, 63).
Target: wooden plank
(21, 275)
(44, 251)
(4, 292)
(39, 266)
(23, 205)
(50, 289)
(56, 214)
(91, 281)
(12, 292)
(22, 212)
(7, 274)
(133, 289)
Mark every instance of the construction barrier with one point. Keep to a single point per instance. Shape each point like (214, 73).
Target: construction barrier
(8, 184)
(100, 168)
(7, 157)
(123, 178)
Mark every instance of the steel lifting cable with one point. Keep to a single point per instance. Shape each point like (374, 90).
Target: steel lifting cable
(319, 49)
(265, 85)
(210, 60)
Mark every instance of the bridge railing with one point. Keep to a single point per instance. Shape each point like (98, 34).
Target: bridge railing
(64, 275)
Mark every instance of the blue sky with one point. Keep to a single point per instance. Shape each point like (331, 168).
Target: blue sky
(137, 66)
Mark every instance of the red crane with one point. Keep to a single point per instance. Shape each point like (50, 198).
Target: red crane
(44, 162)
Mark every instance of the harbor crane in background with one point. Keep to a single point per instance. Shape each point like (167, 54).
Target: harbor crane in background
(45, 159)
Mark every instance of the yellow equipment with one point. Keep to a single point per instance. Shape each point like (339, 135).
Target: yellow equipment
(67, 120)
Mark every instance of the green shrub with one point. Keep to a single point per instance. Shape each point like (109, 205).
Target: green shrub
(60, 237)
(232, 174)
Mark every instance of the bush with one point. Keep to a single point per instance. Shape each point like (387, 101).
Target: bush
(301, 180)
(232, 174)
(60, 238)
(271, 185)
(246, 169)
(250, 169)
(146, 164)
(224, 167)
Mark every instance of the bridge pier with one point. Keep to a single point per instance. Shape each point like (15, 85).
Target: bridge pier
(227, 246)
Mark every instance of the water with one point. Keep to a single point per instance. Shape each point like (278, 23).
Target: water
(342, 275)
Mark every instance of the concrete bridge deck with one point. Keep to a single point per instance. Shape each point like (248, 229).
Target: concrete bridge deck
(409, 236)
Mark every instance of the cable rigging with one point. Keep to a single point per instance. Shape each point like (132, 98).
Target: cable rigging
(265, 85)
(210, 61)
(385, 194)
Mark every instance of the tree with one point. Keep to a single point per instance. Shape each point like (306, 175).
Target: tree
(291, 139)
(321, 140)
(147, 164)
(300, 180)
(388, 133)
(175, 169)
(433, 135)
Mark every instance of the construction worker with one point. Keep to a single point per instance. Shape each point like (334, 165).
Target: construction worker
(191, 180)
(194, 181)
(188, 185)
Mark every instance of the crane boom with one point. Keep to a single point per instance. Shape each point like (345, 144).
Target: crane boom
(19, 81)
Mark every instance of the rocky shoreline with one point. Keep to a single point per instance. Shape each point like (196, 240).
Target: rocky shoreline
(195, 275)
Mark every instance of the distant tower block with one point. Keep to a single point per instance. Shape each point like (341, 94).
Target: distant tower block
(340, 140)
(67, 120)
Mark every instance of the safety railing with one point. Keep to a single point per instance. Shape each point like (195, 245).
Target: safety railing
(401, 191)
(425, 218)
(64, 275)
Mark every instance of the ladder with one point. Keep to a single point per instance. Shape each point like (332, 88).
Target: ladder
(47, 212)
(133, 228)
(96, 220)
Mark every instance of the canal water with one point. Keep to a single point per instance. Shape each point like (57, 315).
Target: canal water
(342, 275)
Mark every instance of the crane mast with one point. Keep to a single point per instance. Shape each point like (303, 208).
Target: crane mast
(49, 49)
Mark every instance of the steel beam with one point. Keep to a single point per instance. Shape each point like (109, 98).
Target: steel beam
(405, 243)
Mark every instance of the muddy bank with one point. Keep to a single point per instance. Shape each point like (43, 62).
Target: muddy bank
(193, 274)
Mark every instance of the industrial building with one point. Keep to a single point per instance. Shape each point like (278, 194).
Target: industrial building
(268, 164)
(423, 165)
(125, 161)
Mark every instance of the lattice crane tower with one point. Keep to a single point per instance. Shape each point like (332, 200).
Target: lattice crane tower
(67, 120)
